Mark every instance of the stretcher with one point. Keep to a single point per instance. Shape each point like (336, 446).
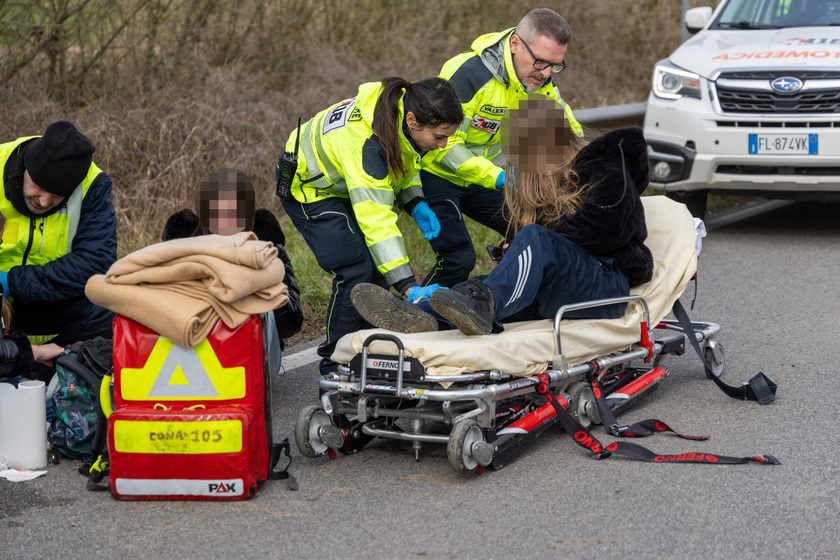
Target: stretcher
(485, 397)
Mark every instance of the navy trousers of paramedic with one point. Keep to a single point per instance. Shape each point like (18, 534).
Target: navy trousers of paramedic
(330, 229)
(453, 247)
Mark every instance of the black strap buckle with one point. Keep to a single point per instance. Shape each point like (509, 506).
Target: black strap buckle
(619, 431)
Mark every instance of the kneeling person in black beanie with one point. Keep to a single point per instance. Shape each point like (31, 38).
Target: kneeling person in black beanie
(61, 229)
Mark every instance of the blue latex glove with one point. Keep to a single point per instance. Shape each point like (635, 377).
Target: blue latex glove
(426, 220)
(500, 180)
(4, 279)
(420, 293)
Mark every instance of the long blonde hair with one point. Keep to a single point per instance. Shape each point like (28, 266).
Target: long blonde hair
(542, 198)
(541, 185)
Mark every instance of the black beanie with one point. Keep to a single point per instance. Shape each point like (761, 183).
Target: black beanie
(59, 160)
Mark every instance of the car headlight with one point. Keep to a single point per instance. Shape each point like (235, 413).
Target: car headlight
(671, 83)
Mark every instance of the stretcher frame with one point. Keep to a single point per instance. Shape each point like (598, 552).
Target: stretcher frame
(490, 415)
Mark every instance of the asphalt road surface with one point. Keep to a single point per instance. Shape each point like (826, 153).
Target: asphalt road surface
(770, 280)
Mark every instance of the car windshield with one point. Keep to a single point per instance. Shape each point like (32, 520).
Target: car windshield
(775, 14)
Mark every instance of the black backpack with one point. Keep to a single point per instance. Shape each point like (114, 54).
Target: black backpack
(78, 414)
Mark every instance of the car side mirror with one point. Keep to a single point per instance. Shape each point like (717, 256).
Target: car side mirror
(697, 18)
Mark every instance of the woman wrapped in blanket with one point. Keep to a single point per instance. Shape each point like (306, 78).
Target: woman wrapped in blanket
(356, 159)
(225, 204)
(577, 232)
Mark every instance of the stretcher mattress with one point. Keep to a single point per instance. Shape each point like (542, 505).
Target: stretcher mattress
(528, 347)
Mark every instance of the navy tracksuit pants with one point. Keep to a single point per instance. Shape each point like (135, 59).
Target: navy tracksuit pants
(330, 229)
(543, 271)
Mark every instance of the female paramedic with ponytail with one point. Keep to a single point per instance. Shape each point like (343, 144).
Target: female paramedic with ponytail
(354, 160)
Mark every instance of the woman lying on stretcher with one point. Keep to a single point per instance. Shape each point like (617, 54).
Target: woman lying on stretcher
(577, 228)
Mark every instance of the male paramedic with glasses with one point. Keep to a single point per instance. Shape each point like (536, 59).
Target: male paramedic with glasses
(498, 69)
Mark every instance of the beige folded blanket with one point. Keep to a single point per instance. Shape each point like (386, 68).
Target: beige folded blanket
(180, 288)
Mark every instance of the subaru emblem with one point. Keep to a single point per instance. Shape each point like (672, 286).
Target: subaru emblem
(786, 84)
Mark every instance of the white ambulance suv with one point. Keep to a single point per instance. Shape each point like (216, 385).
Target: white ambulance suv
(750, 105)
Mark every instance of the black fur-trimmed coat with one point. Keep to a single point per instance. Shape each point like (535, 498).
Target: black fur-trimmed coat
(289, 317)
(611, 223)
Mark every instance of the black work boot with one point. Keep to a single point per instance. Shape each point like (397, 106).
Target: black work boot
(469, 306)
(384, 310)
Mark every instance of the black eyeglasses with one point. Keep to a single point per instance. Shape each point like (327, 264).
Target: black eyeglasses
(556, 67)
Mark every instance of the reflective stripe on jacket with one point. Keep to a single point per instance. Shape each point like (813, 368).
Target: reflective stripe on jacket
(487, 85)
(339, 155)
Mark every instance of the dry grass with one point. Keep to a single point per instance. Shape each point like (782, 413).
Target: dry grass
(168, 89)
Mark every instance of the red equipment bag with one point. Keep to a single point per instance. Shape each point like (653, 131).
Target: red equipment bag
(190, 423)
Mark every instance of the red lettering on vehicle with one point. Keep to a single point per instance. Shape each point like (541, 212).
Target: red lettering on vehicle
(778, 54)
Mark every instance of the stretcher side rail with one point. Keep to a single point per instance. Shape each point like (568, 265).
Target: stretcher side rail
(704, 332)
(331, 382)
(558, 317)
(480, 375)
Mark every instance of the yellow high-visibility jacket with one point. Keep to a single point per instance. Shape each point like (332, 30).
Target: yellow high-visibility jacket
(51, 258)
(487, 85)
(339, 155)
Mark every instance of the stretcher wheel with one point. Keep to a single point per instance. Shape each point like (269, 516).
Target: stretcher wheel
(307, 438)
(714, 357)
(460, 448)
(581, 401)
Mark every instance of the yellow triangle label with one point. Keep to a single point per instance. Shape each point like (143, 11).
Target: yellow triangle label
(178, 377)
(173, 372)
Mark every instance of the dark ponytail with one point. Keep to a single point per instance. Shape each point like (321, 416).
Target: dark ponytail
(385, 123)
(433, 101)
